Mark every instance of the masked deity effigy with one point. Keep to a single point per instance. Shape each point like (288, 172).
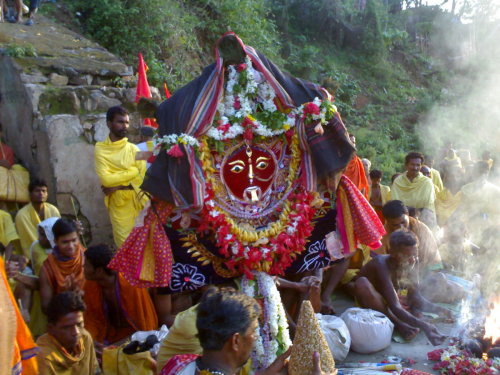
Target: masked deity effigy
(247, 182)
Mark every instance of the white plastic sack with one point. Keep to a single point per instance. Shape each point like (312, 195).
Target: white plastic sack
(336, 334)
(141, 336)
(370, 330)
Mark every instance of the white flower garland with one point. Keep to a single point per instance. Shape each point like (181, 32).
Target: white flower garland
(170, 140)
(275, 325)
(256, 86)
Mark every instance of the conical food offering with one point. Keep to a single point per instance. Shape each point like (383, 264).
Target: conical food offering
(309, 339)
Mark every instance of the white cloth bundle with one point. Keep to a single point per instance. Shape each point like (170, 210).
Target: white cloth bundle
(370, 330)
(336, 334)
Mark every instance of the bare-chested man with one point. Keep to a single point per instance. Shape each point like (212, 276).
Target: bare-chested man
(382, 283)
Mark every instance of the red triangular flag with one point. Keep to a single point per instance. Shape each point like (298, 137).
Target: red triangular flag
(167, 92)
(143, 90)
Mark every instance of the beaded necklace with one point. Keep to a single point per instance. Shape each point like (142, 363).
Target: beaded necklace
(207, 371)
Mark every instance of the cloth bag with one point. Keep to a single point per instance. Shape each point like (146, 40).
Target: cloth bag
(337, 335)
(115, 362)
(371, 331)
(14, 185)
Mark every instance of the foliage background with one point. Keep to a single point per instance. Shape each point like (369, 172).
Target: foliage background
(385, 65)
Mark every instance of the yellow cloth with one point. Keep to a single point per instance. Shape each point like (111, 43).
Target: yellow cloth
(27, 221)
(446, 204)
(53, 359)
(116, 166)
(436, 180)
(7, 229)
(17, 348)
(181, 338)
(385, 192)
(38, 320)
(418, 193)
(115, 362)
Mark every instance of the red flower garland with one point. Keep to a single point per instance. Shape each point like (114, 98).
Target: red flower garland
(280, 251)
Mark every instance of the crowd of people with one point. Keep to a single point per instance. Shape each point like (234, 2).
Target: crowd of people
(65, 296)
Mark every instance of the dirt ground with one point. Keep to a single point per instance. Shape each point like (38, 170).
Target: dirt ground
(415, 350)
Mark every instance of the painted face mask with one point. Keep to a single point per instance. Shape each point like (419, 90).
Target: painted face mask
(249, 172)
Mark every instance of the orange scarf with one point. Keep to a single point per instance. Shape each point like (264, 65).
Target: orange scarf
(355, 171)
(61, 271)
(135, 304)
(20, 346)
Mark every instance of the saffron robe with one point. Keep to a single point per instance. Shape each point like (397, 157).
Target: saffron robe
(53, 359)
(59, 270)
(7, 229)
(17, 348)
(115, 165)
(135, 304)
(27, 221)
(355, 171)
(418, 193)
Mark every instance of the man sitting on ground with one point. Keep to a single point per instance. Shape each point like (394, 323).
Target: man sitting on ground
(67, 348)
(415, 190)
(115, 309)
(28, 217)
(389, 284)
(397, 217)
(63, 269)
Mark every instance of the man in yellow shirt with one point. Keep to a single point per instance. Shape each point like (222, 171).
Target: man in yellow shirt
(28, 217)
(415, 190)
(67, 348)
(434, 174)
(8, 233)
(120, 174)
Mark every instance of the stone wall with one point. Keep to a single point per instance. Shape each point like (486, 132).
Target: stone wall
(52, 117)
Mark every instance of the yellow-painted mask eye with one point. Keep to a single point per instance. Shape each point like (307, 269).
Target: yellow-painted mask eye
(262, 164)
(237, 168)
